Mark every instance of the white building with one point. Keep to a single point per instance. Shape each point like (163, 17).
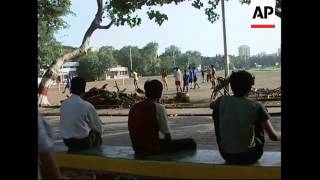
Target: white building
(258, 65)
(68, 69)
(244, 51)
(118, 72)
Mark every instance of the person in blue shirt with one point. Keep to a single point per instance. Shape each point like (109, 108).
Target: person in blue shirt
(68, 85)
(194, 73)
(190, 76)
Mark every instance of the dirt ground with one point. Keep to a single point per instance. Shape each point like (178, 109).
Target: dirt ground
(263, 79)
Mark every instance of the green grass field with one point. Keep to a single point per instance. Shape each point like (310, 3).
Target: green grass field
(264, 69)
(254, 71)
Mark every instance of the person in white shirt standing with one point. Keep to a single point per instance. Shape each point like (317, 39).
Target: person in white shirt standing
(80, 125)
(177, 77)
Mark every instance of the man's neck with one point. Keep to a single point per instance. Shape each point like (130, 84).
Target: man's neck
(76, 95)
(153, 100)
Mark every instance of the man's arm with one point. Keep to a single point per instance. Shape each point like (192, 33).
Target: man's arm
(167, 137)
(264, 119)
(215, 106)
(162, 118)
(272, 133)
(94, 121)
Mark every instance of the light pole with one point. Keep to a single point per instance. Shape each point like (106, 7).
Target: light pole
(174, 59)
(130, 60)
(226, 59)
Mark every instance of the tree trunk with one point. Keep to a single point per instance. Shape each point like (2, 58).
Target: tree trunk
(53, 72)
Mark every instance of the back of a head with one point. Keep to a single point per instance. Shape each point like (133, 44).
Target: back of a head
(78, 85)
(153, 89)
(241, 82)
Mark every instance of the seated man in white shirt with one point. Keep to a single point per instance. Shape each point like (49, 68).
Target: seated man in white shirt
(80, 125)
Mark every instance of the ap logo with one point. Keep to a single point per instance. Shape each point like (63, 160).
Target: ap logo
(263, 13)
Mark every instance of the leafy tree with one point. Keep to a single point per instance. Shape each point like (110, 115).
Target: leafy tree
(194, 58)
(95, 64)
(123, 58)
(182, 61)
(49, 49)
(217, 61)
(150, 55)
(89, 66)
(166, 62)
(169, 57)
(116, 12)
(49, 21)
(106, 59)
(172, 50)
(266, 60)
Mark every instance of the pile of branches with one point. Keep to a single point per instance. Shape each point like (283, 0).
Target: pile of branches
(180, 97)
(260, 94)
(222, 85)
(265, 93)
(102, 98)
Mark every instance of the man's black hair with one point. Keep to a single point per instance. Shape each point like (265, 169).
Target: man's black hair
(78, 85)
(241, 82)
(153, 89)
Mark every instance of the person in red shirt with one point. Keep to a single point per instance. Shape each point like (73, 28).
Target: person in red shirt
(213, 77)
(164, 75)
(147, 119)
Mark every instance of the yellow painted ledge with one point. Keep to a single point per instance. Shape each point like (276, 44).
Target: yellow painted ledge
(167, 169)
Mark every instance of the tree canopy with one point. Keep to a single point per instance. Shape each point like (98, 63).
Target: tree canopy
(146, 61)
(50, 20)
(119, 13)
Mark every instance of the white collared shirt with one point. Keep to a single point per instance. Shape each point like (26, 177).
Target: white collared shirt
(177, 75)
(77, 118)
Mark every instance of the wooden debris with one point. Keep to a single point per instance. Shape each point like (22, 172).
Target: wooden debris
(265, 93)
(180, 97)
(101, 98)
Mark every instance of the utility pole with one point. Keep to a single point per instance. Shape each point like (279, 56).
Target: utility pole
(130, 60)
(174, 59)
(226, 59)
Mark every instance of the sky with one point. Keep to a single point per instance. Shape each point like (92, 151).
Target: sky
(186, 28)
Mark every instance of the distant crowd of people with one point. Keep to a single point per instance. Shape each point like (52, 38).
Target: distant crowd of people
(183, 80)
(190, 79)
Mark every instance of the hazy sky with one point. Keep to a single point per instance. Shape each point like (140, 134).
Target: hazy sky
(187, 28)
